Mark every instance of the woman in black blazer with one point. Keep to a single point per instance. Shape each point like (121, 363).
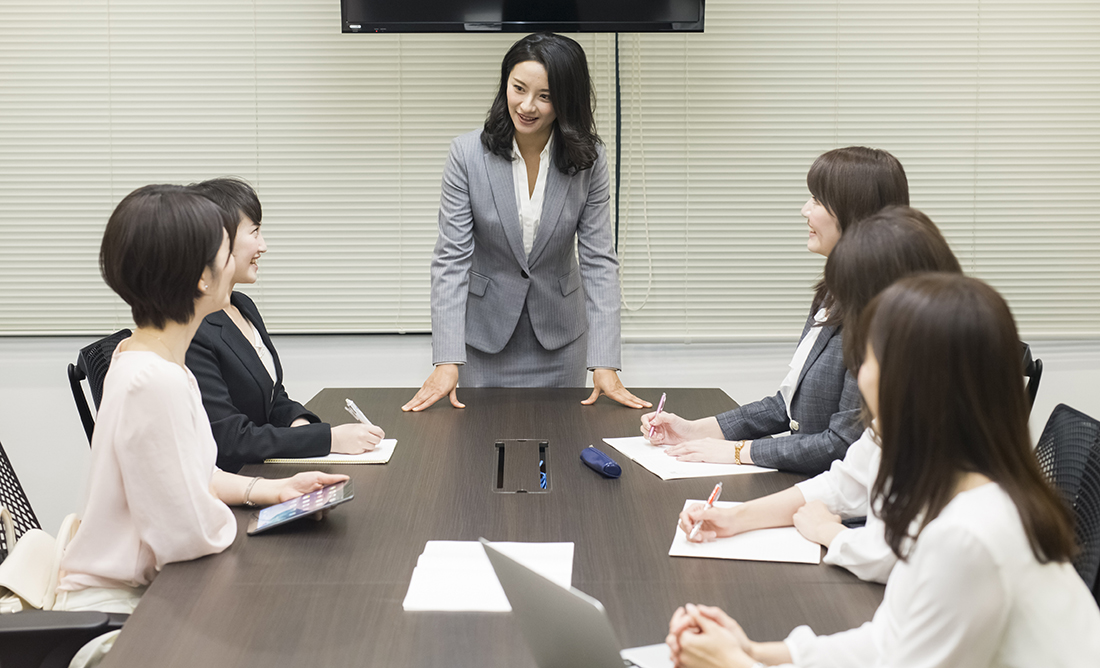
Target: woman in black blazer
(238, 369)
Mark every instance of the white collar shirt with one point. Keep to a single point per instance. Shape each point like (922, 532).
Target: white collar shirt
(529, 204)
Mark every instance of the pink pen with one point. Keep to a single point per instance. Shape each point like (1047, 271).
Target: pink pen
(710, 504)
(660, 407)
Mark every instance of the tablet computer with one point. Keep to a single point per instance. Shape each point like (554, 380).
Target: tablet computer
(306, 504)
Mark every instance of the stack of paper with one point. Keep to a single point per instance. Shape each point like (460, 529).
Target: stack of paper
(654, 458)
(457, 575)
(781, 544)
(379, 455)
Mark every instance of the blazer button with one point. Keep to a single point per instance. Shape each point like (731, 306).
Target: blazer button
(794, 425)
(523, 273)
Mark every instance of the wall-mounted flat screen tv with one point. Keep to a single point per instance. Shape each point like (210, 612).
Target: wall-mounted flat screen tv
(376, 16)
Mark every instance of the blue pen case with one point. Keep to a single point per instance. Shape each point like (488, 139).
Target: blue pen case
(600, 463)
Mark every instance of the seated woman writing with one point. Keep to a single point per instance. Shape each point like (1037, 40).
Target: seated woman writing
(817, 402)
(238, 369)
(983, 540)
(155, 495)
(872, 254)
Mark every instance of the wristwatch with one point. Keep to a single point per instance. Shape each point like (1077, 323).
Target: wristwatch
(737, 451)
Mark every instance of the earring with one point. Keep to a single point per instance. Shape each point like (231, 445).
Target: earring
(205, 286)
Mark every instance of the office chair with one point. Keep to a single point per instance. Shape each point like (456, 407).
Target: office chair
(1033, 371)
(1069, 455)
(92, 363)
(37, 638)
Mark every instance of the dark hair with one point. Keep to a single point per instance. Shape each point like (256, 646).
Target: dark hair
(233, 195)
(854, 183)
(575, 138)
(951, 400)
(875, 252)
(157, 243)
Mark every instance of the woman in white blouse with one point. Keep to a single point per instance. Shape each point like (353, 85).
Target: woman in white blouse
(817, 401)
(872, 254)
(983, 541)
(155, 496)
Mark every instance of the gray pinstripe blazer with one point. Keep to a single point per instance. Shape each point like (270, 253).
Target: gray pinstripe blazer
(481, 277)
(826, 406)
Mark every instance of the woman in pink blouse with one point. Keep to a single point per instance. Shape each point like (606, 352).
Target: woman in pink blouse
(155, 495)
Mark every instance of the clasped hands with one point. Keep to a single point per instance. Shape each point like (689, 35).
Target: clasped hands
(443, 382)
(701, 636)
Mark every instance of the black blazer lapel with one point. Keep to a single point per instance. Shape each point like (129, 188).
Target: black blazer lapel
(234, 340)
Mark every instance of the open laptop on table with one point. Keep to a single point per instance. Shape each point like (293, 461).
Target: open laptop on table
(564, 628)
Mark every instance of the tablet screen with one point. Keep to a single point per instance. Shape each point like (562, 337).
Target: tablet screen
(307, 504)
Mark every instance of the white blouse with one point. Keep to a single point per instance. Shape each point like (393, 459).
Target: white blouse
(801, 354)
(149, 500)
(971, 595)
(845, 489)
(529, 203)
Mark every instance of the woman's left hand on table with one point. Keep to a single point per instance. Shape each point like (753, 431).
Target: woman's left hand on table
(606, 381)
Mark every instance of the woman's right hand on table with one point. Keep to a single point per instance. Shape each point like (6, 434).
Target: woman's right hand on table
(442, 382)
(717, 522)
(670, 429)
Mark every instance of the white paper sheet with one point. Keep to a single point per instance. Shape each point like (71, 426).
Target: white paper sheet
(648, 656)
(457, 576)
(653, 457)
(782, 544)
(379, 455)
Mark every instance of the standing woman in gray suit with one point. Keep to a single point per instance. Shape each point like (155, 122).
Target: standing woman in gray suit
(818, 401)
(511, 307)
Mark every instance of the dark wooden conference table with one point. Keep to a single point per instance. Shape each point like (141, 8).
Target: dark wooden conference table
(329, 593)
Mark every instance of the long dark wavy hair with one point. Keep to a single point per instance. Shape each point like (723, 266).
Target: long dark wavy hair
(951, 401)
(852, 183)
(877, 251)
(575, 138)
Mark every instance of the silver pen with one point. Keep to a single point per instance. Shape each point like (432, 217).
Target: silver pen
(356, 413)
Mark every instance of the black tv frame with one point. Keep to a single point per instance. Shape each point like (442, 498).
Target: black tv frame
(516, 26)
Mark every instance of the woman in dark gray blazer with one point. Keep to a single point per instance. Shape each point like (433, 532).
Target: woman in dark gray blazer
(511, 305)
(818, 401)
(238, 369)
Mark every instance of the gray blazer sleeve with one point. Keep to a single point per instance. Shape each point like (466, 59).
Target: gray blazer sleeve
(451, 261)
(826, 406)
(600, 271)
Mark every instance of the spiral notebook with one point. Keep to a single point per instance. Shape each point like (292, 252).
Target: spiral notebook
(379, 455)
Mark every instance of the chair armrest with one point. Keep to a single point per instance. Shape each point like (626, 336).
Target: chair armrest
(45, 639)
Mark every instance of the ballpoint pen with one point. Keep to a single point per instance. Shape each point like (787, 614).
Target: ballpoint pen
(356, 413)
(710, 504)
(660, 407)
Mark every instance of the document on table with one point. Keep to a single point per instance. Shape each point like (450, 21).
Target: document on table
(648, 656)
(454, 576)
(654, 458)
(780, 544)
(379, 455)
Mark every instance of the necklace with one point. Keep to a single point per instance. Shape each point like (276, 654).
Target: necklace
(171, 355)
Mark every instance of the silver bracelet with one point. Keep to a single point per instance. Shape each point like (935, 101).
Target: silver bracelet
(248, 490)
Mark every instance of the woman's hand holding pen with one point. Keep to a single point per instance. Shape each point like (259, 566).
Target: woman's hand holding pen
(717, 522)
(355, 438)
(442, 383)
(671, 429)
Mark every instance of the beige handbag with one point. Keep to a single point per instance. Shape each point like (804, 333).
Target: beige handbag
(29, 575)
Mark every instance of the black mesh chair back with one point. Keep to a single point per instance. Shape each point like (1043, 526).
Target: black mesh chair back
(1069, 455)
(15, 500)
(92, 363)
(1033, 371)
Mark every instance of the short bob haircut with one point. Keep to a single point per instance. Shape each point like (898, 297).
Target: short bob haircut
(157, 243)
(575, 139)
(852, 183)
(234, 195)
(892, 244)
(952, 401)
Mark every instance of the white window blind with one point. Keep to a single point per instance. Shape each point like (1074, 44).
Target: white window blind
(991, 107)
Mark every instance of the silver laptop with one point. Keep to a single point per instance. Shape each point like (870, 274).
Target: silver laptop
(564, 628)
